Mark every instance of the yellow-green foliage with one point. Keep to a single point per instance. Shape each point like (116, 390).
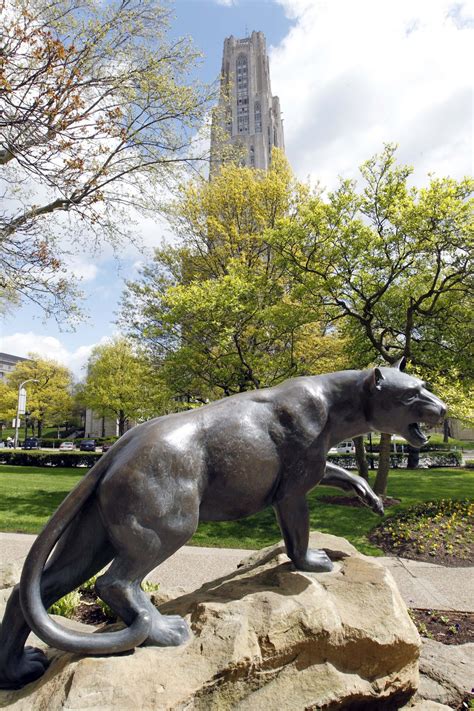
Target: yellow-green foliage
(120, 382)
(49, 401)
(228, 318)
(67, 605)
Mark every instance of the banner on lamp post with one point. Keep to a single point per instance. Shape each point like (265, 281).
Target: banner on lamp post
(22, 401)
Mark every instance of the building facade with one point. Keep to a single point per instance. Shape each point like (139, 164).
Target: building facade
(248, 116)
(8, 363)
(96, 425)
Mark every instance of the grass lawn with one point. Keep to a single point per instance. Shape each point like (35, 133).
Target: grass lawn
(30, 494)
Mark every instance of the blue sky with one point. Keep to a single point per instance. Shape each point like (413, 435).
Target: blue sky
(350, 76)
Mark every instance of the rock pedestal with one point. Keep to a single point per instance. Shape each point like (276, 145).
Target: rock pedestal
(264, 637)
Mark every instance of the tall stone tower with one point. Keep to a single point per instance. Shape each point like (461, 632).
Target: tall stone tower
(248, 116)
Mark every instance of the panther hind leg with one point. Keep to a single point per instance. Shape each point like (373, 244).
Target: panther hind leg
(142, 550)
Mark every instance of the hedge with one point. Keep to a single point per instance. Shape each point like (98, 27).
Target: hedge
(429, 447)
(428, 460)
(54, 443)
(38, 458)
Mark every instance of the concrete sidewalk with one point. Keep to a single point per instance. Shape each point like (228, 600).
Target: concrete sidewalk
(189, 568)
(422, 585)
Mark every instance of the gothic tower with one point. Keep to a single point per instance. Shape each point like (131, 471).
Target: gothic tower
(248, 115)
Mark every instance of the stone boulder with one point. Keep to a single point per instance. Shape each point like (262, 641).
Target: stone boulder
(446, 672)
(266, 636)
(10, 572)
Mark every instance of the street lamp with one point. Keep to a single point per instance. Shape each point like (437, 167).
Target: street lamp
(17, 421)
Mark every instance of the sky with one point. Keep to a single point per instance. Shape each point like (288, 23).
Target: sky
(351, 76)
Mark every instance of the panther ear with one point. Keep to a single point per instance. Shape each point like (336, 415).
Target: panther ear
(375, 378)
(400, 364)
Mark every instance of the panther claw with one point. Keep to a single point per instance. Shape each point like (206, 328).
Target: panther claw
(378, 507)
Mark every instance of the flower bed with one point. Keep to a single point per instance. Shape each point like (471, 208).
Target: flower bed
(436, 531)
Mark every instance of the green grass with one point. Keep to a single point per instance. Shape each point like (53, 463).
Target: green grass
(30, 495)
(437, 438)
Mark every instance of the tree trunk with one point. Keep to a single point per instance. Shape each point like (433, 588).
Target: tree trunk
(371, 453)
(446, 431)
(413, 457)
(380, 486)
(121, 422)
(361, 458)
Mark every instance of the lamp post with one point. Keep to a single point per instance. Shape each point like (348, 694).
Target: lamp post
(17, 421)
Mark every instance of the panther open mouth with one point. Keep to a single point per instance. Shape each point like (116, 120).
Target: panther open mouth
(417, 436)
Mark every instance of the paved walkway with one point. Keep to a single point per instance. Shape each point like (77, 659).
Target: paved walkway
(422, 585)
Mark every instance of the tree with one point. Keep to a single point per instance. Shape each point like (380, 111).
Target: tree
(49, 401)
(120, 383)
(96, 116)
(393, 266)
(216, 312)
(8, 404)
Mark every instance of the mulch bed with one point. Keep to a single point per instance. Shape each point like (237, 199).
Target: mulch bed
(444, 626)
(88, 611)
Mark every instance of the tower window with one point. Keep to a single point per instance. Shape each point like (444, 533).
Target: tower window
(258, 118)
(242, 94)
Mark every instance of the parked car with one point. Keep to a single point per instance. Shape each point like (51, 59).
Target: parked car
(67, 446)
(31, 443)
(87, 445)
(346, 447)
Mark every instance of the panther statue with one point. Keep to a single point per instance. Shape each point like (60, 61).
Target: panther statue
(232, 458)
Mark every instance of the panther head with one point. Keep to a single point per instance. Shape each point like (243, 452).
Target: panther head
(399, 403)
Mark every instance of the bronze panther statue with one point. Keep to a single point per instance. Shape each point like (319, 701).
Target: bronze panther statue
(144, 498)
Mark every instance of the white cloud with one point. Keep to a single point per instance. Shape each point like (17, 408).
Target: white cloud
(22, 344)
(83, 269)
(354, 75)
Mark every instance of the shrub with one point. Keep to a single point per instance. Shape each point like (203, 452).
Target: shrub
(38, 458)
(67, 605)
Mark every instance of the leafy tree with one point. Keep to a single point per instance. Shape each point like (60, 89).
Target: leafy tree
(121, 383)
(216, 312)
(49, 401)
(97, 113)
(393, 266)
(8, 403)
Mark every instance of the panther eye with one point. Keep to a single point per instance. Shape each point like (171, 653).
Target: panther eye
(409, 397)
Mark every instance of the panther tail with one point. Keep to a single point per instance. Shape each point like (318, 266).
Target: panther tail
(34, 611)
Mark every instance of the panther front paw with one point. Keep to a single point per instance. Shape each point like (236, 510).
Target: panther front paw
(377, 506)
(19, 671)
(315, 561)
(368, 497)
